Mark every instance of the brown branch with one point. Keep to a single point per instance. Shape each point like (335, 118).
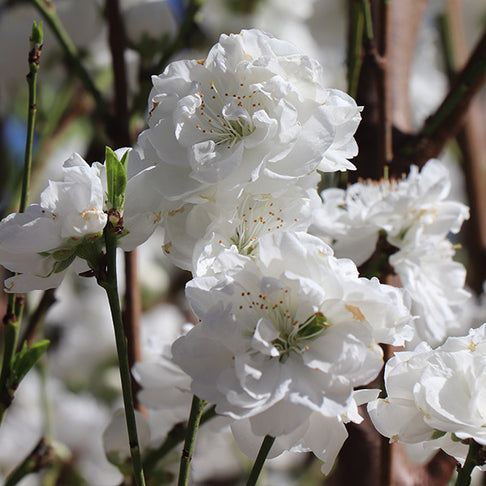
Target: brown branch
(473, 148)
(383, 87)
(401, 49)
(445, 123)
(119, 131)
(131, 317)
(387, 58)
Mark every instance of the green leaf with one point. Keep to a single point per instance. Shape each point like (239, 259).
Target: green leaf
(37, 35)
(25, 359)
(116, 176)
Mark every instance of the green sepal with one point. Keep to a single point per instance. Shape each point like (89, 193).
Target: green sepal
(24, 360)
(437, 434)
(455, 438)
(61, 265)
(116, 177)
(62, 255)
(91, 250)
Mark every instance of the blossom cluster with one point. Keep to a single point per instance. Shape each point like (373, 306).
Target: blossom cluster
(66, 227)
(288, 333)
(413, 215)
(435, 397)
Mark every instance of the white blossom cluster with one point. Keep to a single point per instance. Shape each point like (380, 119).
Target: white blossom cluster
(288, 331)
(435, 397)
(415, 217)
(67, 225)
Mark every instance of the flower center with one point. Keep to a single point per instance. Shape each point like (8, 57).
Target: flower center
(226, 118)
(293, 335)
(296, 338)
(255, 219)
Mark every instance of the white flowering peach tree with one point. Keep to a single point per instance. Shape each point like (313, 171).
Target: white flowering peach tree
(274, 232)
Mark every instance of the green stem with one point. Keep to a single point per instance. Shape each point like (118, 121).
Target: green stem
(48, 11)
(192, 427)
(260, 460)
(11, 326)
(34, 55)
(464, 473)
(15, 306)
(175, 437)
(368, 22)
(111, 287)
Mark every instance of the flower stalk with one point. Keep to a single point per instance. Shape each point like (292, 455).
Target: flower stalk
(260, 460)
(15, 305)
(111, 287)
(192, 428)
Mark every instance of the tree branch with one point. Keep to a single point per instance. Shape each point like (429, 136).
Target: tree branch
(447, 120)
(472, 145)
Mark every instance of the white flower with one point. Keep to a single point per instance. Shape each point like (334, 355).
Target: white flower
(436, 397)
(407, 210)
(281, 335)
(435, 283)
(41, 243)
(255, 107)
(196, 231)
(322, 435)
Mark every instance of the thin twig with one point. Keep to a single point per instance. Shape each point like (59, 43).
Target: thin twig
(131, 317)
(36, 319)
(15, 306)
(186, 28)
(354, 56)
(119, 130)
(472, 145)
(38, 458)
